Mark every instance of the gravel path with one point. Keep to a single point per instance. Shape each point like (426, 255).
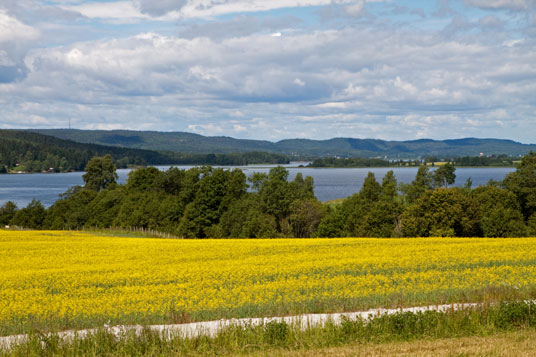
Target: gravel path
(211, 328)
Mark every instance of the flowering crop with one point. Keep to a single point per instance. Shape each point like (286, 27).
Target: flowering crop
(81, 279)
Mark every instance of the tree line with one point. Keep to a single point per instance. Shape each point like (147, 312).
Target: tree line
(472, 161)
(207, 202)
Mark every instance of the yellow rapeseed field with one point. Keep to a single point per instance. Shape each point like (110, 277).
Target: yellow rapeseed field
(72, 279)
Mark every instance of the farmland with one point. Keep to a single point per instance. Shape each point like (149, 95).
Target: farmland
(56, 280)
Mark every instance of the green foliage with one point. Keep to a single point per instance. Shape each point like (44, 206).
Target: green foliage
(419, 186)
(7, 212)
(350, 162)
(442, 212)
(371, 190)
(374, 211)
(274, 193)
(531, 225)
(305, 217)
(100, 173)
(522, 183)
(217, 189)
(144, 179)
(483, 161)
(389, 186)
(499, 211)
(444, 175)
(32, 216)
(332, 224)
(36, 153)
(71, 211)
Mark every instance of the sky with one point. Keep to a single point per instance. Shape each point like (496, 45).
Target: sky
(257, 69)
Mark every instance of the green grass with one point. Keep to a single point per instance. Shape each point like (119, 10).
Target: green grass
(276, 336)
(335, 202)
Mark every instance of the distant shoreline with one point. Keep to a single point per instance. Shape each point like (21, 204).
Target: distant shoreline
(261, 166)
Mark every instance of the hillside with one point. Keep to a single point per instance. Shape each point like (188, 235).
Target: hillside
(35, 152)
(346, 147)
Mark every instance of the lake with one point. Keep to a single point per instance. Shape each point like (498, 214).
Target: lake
(330, 183)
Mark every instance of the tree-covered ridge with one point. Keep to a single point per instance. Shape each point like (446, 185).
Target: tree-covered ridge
(305, 148)
(216, 202)
(36, 152)
(33, 152)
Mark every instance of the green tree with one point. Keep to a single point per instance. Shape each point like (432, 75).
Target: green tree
(332, 223)
(100, 173)
(389, 186)
(371, 190)
(499, 212)
(300, 188)
(531, 225)
(419, 186)
(442, 212)
(274, 194)
(144, 179)
(522, 183)
(104, 208)
(217, 189)
(305, 217)
(245, 219)
(380, 219)
(257, 180)
(31, 216)
(71, 210)
(444, 175)
(7, 212)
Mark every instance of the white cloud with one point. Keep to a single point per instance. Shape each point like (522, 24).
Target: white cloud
(180, 9)
(108, 10)
(299, 82)
(15, 36)
(501, 4)
(12, 30)
(356, 9)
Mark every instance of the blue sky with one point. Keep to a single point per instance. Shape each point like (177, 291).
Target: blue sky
(273, 70)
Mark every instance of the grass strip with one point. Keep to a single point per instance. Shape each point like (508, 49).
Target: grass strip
(275, 337)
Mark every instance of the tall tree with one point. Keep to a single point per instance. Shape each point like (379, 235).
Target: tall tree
(419, 186)
(7, 211)
(389, 186)
(522, 183)
(499, 212)
(371, 190)
(100, 173)
(444, 175)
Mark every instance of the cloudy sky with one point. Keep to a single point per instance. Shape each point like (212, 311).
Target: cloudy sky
(271, 70)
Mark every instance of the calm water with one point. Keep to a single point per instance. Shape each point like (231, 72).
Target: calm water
(329, 183)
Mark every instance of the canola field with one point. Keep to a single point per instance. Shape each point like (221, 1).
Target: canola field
(58, 280)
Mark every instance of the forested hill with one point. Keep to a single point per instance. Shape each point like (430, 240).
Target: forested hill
(346, 147)
(33, 152)
(36, 152)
